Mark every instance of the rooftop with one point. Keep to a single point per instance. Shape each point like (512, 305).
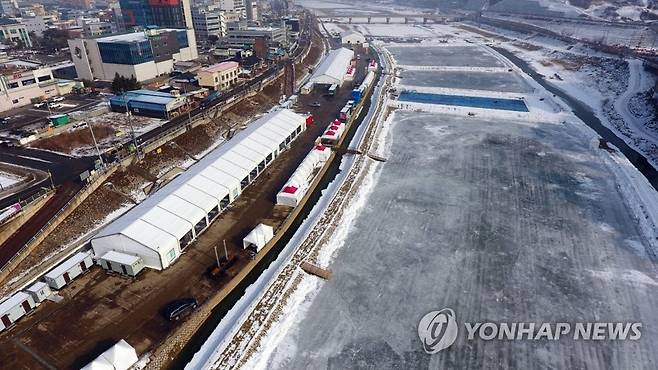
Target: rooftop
(220, 67)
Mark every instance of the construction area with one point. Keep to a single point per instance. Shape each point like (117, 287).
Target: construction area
(99, 308)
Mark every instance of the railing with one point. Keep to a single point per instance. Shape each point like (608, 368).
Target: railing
(56, 216)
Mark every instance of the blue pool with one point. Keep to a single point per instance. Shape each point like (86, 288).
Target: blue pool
(516, 105)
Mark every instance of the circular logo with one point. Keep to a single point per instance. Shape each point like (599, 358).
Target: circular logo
(437, 330)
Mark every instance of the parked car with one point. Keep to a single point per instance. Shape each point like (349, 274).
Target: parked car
(54, 105)
(58, 98)
(179, 308)
(315, 104)
(40, 105)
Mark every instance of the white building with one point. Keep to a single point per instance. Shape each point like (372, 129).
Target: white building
(352, 38)
(20, 83)
(163, 225)
(68, 270)
(39, 291)
(14, 308)
(333, 68)
(11, 31)
(298, 184)
(235, 6)
(143, 55)
(209, 21)
(121, 263)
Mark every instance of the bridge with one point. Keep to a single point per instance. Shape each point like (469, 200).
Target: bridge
(391, 19)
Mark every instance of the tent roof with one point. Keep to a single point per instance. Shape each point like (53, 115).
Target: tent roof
(169, 222)
(224, 166)
(334, 65)
(122, 355)
(260, 235)
(99, 363)
(197, 197)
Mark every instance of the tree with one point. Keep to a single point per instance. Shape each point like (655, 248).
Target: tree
(122, 84)
(54, 39)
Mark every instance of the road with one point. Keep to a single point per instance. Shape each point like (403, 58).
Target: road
(63, 168)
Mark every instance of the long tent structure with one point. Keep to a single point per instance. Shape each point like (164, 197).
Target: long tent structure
(333, 68)
(163, 225)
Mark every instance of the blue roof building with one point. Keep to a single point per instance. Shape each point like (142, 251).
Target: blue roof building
(148, 103)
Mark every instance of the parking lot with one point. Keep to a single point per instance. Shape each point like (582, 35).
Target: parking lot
(29, 117)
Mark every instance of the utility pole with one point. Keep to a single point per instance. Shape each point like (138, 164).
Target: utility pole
(225, 250)
(130, 123)
(52, 183)
(217, 256)
(98, 151)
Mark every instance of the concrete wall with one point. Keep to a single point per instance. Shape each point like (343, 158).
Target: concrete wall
(12, 226)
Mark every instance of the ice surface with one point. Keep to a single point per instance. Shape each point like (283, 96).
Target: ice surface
(489, 81)
(459, 56)
(7, 180)
(497, 221)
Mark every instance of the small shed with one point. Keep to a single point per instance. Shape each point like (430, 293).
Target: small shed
(15, 307)
(39, 291)
(68, 270)
(122, 263)
(258, 237)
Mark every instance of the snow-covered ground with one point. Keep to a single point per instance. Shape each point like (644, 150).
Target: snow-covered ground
(501, 219)
(8, 179)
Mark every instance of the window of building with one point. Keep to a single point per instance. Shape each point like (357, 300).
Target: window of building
(28, 82)
(44, 78)
(13, 85)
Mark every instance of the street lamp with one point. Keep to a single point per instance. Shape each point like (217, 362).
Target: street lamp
(98, 151)
(130, 123)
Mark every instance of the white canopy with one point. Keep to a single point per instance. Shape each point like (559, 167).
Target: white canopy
(122, 355)
(333, 68)
(258, 237)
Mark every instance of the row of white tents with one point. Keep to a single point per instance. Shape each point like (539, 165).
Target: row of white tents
(160, 228)
(298, 184)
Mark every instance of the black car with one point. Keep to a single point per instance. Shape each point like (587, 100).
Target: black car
(179, 308)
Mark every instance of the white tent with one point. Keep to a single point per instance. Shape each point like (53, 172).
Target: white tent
(333, 68)
(122, 355)
(258, 237)
(99, 363)
(162, 224)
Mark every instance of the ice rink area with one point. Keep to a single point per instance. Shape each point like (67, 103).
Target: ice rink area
(489, 81)
(499, 221)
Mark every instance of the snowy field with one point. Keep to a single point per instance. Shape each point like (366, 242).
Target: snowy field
(497, 81)
(8, 179)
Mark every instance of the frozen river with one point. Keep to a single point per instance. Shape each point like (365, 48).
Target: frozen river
(510, 219)
(499, 221)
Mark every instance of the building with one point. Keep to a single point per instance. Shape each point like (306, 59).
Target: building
(8, 8)
(298, 184)
(148, 103)
(94, 29)
(13, 32)
(19, 86)
(234, 6)
(39, 291)
(121, 263)
(352, 38)
(209, 22)
(221, 76)
(251, 7)
(241, 34)
(68, 270)
(332, 70)
(164, 224)
(143, 55)
(161, 13)
(13, 308)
